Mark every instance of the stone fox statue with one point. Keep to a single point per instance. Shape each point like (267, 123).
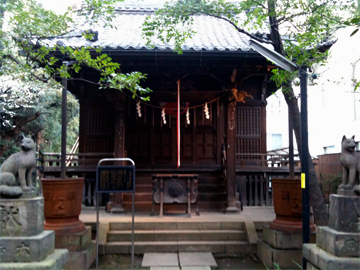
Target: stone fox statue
(15, 172)
(350, 161)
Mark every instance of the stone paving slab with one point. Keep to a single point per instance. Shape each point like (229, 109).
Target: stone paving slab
(160, 259)
(165, 268)
(196, 268)
(196, 259)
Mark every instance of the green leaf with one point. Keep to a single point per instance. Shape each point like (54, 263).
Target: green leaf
(354, 32)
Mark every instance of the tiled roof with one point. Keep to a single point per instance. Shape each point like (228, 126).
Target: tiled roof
(212, 34)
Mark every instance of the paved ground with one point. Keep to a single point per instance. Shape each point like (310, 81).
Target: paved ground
(234, 262)
(224, 262)
(260, 214)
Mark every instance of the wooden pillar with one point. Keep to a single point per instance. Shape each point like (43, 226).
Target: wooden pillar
(119, 148)
(219, 131)
(230, 158)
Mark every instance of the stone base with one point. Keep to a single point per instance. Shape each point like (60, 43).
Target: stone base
(74, 242)
(232, 210)
(341, 244)
(310, 266)
(82, 259)
(344, 213)
(117, 210)
(346, 192)
(27, 248)
(284, 258)
(24, 217)
(82, 250)
(54, 261)
(324, 260)
(282, 240)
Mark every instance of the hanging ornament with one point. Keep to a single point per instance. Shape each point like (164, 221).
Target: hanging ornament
(138, 108)
(163, 116)
(187, 117)
(206, 111)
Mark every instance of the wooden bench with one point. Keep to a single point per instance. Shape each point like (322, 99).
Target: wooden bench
(175, 189)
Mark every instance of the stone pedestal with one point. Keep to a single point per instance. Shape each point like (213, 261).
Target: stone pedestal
(82, 251)
(337, 246)
(23, 242)
(281, 248)
(21, 217)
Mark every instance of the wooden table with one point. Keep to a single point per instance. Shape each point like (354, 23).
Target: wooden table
(175, 189)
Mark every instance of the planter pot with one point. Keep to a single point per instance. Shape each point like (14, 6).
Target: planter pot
(62, 205)
(287, 199)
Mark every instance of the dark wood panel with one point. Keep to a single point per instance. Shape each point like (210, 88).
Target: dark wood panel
(97, 127)
(153, 142)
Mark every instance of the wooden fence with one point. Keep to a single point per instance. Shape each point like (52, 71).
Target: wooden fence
(255, 189)
(328, 164)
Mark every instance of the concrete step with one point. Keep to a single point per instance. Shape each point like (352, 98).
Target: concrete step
(177, 235)
(145, 206)
(220, 247)
(148, 196)
(183, 225)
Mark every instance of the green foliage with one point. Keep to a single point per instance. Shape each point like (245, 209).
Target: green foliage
(305, 25)
(277, 266)
(329, 184)
(51, 123)
(31, 66)
(39, 114)
(355, 21)
(25, 50)
(11, 148)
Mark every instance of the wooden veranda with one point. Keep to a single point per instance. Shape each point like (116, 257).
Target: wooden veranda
(253, 179)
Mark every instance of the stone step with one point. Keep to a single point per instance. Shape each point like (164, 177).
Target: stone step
(145, 206)
(202, 197)
(183, 225)
(177, 235)
(219, 247)
(204, 178)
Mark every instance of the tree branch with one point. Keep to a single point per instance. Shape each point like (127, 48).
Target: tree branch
(287, 19)
(241, 30)
(45, 80)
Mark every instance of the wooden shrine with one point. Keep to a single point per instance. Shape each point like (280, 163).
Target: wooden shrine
(222, 122)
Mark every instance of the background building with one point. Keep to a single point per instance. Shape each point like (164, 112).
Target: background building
(333, 105)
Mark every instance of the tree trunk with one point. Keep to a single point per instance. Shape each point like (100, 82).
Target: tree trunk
(316, 197)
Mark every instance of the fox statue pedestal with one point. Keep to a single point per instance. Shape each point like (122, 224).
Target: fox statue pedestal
(337, 246)
(23, 242)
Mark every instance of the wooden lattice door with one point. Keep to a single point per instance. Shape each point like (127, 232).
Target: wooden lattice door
(97, 128)
(249, 132)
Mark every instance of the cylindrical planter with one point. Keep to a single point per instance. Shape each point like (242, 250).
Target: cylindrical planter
(62, 205)
(287, 199)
